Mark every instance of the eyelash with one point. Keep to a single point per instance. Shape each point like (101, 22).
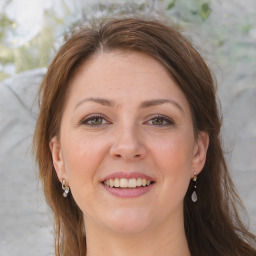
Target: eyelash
(89, 118)
(85, 121)
(168, 121)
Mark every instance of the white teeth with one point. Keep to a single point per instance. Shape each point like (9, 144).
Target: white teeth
(123, 183)
(127, 183)
(116, 182)
(139, 182)
(132, 183)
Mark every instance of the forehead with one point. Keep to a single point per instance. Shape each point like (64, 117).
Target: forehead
(123, 74)
(115, 64)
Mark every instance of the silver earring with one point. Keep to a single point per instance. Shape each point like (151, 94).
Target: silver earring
(194, 195)
(65, 188)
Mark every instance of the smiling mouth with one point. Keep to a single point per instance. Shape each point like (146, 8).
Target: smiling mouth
(127, 183)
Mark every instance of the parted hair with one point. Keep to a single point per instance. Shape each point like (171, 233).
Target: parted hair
(212, 224)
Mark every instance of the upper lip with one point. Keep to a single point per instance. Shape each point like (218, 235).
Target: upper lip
(127, 175)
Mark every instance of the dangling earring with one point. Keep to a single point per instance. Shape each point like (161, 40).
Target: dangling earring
(65, 188)
(194, 195)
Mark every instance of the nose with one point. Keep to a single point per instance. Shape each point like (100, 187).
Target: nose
(128, 145)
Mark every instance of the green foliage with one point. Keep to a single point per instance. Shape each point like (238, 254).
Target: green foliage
(246, 28)
(5, 23)
(205, 11)
(171, 5)
(194, 16)
(188, 11)
(3, 76)
(37, 51)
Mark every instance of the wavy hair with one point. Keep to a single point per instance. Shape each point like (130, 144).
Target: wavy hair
(212, 225)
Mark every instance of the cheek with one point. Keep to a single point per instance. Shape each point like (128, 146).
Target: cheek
(174, 161)
(175, 154)
(82, 156)
(82, 160)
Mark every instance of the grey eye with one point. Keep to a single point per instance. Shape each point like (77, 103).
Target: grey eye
(96, 121)
(160, 121)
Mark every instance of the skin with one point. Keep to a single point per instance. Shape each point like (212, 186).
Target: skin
(128, 137)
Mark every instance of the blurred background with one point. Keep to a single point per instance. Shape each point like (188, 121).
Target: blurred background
(31, 31)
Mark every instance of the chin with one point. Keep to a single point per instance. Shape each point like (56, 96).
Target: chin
(127, 221)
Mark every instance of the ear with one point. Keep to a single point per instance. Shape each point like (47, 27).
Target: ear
(57, 158)
(200, 152)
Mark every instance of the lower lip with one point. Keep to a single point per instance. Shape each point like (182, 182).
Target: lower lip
(128, 193)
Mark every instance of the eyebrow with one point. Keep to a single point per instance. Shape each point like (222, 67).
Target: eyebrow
(155, 102)
(100, 101)
(144, 104)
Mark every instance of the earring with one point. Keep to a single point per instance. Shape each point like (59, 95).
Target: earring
(65, 188)
(194, 195)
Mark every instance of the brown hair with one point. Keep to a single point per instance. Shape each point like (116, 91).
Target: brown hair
(213, 226)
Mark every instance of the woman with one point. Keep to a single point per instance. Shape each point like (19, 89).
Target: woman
(128, 133)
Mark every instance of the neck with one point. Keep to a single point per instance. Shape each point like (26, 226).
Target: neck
(165, 239)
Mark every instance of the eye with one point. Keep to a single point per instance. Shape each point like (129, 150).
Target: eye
(94, 120)
(160, 120)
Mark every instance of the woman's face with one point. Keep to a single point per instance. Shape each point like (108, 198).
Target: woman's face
(127, 123)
